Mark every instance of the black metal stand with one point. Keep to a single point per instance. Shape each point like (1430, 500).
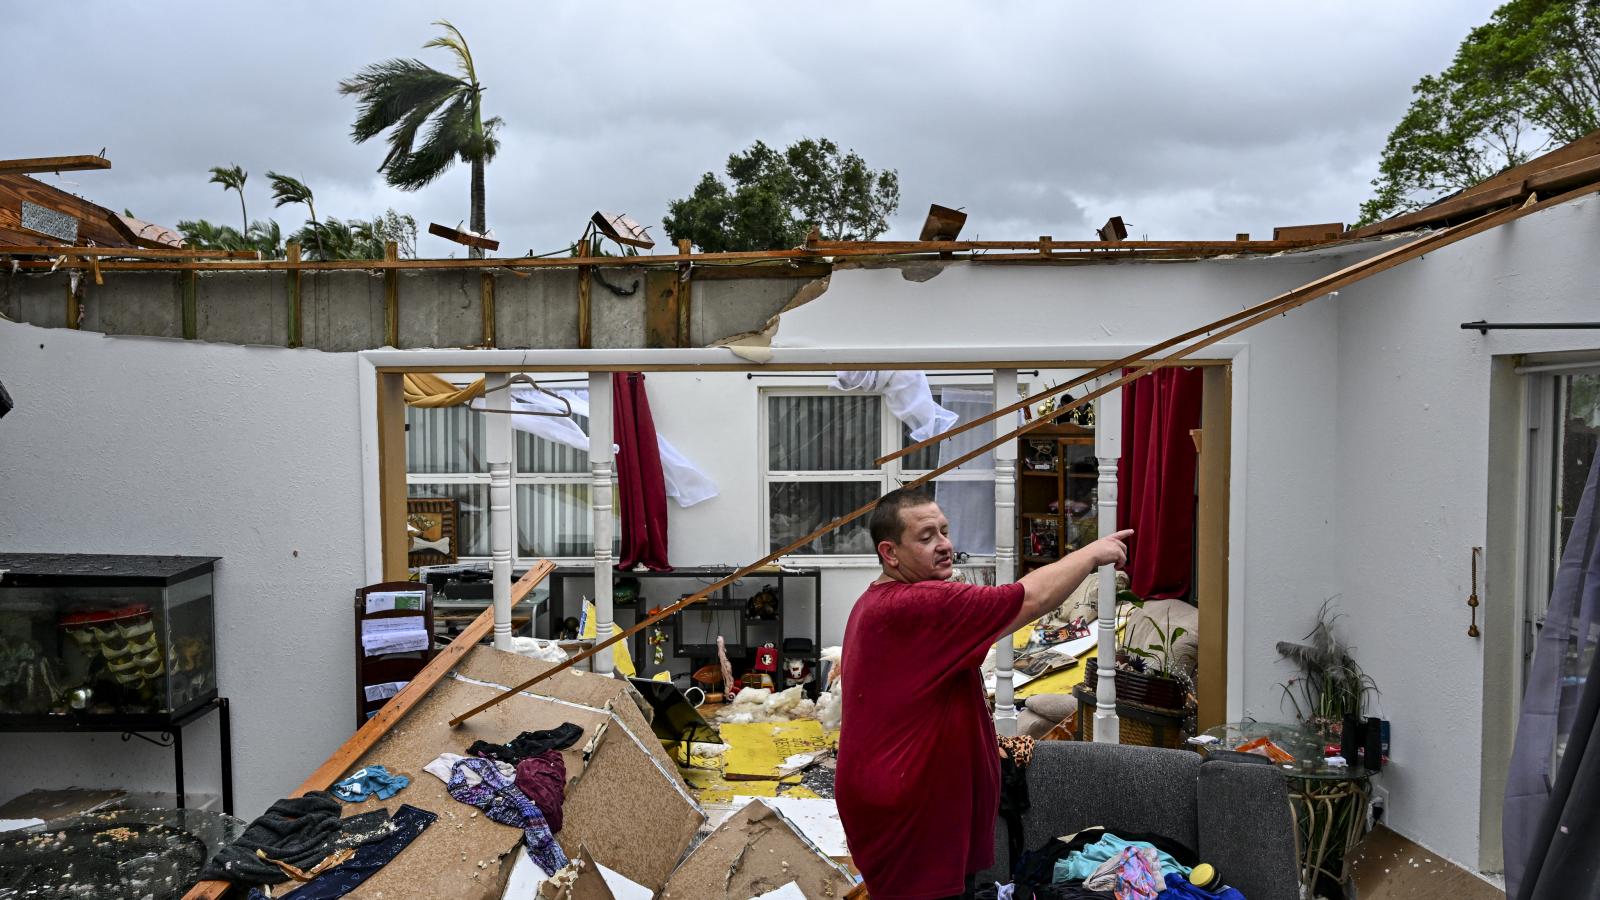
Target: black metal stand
(168, 731)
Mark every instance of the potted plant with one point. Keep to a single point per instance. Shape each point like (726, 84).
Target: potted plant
(1329, 684)
(1145, 674)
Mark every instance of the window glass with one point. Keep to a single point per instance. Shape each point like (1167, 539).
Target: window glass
(797, 508)
(448, 440)
(822, 433)
(472, 524)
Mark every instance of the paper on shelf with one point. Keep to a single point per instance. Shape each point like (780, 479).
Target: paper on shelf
(384, 691)
(379, 636)
(384, 601)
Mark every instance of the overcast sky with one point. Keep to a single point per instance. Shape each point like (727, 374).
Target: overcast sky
(1190, 120)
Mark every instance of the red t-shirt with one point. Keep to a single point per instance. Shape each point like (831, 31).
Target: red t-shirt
(918, 779)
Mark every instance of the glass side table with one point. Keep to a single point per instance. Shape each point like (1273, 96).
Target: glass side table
(1329, 803)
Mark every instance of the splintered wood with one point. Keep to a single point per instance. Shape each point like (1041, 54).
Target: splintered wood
(753, 852)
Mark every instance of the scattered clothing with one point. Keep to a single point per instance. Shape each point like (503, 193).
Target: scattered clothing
(543, 779)
(918, 778)
(1037, 867)
(408, 822)
(501, 801)
(1080, 864)
(1133, 874)
(300, 832)
(1015, 754)
(444, 764)
(528, 743)
(1179, 888)
(1040, 892)
(370, 782)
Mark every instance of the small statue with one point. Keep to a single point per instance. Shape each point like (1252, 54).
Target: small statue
(763, 605)
(796, 671)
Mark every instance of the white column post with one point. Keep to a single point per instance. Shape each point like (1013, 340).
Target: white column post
(1005, 544)
(601, 468)
(497, 444)
(1107, 448)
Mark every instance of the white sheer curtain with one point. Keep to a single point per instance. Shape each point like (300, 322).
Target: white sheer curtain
(969, 505)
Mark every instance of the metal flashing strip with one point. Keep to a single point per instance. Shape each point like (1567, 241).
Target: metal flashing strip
(616, 721)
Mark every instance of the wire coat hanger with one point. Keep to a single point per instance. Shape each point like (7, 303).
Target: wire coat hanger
(527, 380)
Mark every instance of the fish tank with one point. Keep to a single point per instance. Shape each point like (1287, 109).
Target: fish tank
(87, 638)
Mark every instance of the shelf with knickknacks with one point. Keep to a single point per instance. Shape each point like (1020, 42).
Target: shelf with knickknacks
(1056, 487)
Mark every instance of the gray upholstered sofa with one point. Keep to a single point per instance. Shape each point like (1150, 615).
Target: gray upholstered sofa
(1234, 815)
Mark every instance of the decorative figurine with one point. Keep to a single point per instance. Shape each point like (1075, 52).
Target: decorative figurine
(763, 605)
(766, 659)
(796, 671)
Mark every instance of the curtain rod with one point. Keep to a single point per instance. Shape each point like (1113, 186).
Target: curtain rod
(751, 375)
(1483, 327)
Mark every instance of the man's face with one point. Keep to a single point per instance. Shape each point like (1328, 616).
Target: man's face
(924, 551)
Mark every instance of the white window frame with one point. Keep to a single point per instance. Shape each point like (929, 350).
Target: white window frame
(1544, 429)
(888, 478)
(581, 477)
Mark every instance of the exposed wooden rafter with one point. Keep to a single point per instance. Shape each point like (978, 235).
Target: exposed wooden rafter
(52, 164)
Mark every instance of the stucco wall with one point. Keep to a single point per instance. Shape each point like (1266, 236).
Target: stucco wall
(1413, 480)
(143, 445)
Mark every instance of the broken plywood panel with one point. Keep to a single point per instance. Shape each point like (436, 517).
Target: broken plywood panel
(755, 851)
(586, 688)
(621, 783)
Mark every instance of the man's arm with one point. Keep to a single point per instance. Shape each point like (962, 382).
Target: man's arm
(1048, 587)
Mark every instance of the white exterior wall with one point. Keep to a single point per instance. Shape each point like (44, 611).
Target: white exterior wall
(1413, 482)
(135, 445)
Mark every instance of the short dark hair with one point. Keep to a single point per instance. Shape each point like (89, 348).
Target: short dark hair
(886, 524)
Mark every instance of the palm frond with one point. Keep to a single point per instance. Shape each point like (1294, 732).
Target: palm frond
(287, 190)
(447, 137)
(230, 177)
(456, 44)
(392, 90)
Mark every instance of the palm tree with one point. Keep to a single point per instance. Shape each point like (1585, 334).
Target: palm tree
(287, 190)
(401, 95)
(232, 179)
(203, 235)
(265, 237)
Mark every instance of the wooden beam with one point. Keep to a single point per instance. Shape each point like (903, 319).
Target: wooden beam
(391, 296)
(52, 164)
(392, 477)
(684, 294)
(464, 238)
(191, 314)
(296, 326)
(822, 253)
(1445, 211)
(123, 252)
(1211, 541)
(365, 738)
(94, 267)
(585, 322)
(1588, 145)
(942, 223)
(1330, 231)
(486, 302)
(661, 308)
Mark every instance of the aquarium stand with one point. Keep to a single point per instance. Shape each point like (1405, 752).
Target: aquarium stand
(167, 728)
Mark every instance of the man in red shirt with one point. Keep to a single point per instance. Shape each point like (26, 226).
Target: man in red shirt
(918, 779)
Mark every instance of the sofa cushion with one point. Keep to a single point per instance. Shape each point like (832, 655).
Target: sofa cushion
(1075, 785)
(1246, 828)
(1054, 707)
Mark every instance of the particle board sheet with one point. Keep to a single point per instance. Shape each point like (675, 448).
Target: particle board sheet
(586, 688)
(755, 851)
(463, 854)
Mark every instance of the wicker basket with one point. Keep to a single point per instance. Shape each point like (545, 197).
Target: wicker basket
(1139, 687)
(1141, 726)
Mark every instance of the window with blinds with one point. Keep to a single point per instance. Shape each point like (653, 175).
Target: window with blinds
(819, 449)
(445, 457)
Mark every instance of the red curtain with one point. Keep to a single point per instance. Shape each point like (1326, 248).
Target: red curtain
(641, 489)
(1155, 480)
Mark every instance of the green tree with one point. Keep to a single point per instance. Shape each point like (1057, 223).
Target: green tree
(772, 199)
(203, 235)
(286, 190)
(402, 95)
(1526, 80)
(359, 238)
(232, 178)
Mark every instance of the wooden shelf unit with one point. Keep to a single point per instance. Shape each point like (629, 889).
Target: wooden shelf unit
(1069, 483)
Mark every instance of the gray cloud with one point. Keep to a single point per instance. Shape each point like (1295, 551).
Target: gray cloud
(1192, 121)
